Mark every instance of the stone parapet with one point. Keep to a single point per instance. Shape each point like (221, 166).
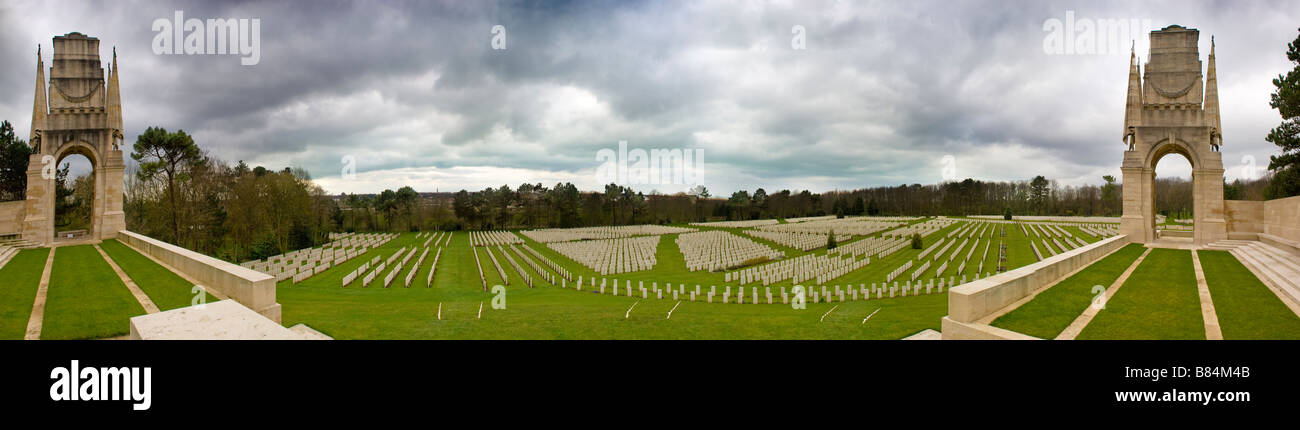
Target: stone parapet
(972, 302)
(253, 289)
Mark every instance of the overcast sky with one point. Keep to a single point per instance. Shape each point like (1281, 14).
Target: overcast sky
(882, 92)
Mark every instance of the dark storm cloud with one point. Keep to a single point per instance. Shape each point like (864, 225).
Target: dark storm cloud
(884, 90)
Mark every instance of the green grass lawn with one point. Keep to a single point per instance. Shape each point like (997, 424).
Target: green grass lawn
(86, 300)
(166, 289)
(21, 278)
(1247, 309)
(1158, 301)
(82, 305)
(1053, 310)
(549, 312)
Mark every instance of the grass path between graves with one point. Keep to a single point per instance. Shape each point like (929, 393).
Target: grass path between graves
(19, 280)
(1247, 309)
(86, 298)
(1158, 301)
(1052, 310)
(167, 290)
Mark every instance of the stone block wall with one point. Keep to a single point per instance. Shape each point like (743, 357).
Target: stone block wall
(11, 217)
(1278, 217)
(253, 289)
(970, 303)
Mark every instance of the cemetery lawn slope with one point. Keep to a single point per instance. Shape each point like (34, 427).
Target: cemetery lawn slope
(1247, 309)
(1052, 310)
(86, 300)
(550, 312)
(19, 280)
(166, 289)
(1158, 301)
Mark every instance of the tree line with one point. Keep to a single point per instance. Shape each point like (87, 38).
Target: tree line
(182, 195)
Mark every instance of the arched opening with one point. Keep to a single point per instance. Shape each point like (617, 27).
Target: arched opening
(1173, 196)
(74, 191)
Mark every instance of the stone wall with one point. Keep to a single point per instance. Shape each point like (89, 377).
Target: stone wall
(1278, 217)
(11, 217)
(970, 303)
(248, 287)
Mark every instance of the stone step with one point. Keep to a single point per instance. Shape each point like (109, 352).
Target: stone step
(6, 254)
(1233, 242)
(1220, 246)
(309, 333)
(1266, 261)
(223, 320)
(1281, 243)
(1286, 259)
(927, 334)
(1276, 272)
(19, 243)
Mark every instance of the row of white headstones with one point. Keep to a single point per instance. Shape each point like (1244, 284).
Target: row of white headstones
(856, 226)
(839, 293)
(325, 252)
(800, 241)
(716, 250)
(612, 256)
(303, 264)
(368, 276)
(557, 272)
(548, 235)
(493, 237)
(708, 250)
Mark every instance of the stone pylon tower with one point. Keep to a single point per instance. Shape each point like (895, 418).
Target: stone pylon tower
(1170, 110)
(79, 113)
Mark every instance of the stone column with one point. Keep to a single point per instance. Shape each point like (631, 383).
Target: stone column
(38, 222)
(1134, 223)
(113, 218)
(1149, 203)
(97, 204)
(1208, 220)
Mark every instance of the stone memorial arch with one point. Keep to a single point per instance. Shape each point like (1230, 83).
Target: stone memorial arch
(1171, 111)
(80, 112)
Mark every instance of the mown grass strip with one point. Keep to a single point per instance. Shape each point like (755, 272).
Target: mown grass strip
(1247, 309)
(1052, 310)
(1159, 301)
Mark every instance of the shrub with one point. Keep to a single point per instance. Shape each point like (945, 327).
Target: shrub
(263, 248)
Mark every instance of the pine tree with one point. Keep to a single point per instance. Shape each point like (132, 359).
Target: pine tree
(14, 154)
(1286, 167)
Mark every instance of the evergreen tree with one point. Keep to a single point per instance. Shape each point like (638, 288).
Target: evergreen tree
(169, 155)
(1286, 167)
(14, 154)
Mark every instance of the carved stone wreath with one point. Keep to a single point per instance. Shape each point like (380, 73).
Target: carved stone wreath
(78, 99)
(1178, 93)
